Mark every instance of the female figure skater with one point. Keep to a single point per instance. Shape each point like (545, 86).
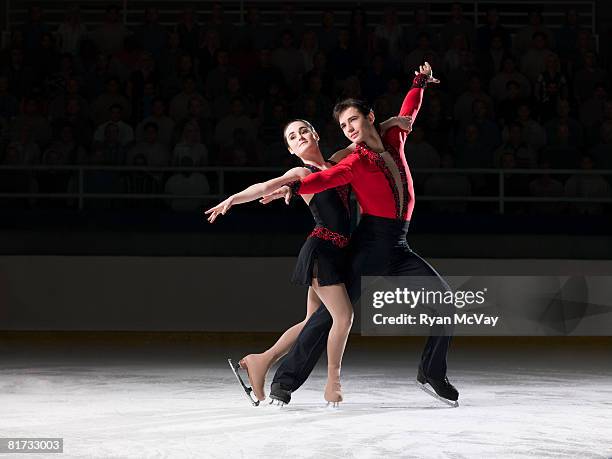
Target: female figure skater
(322, 259)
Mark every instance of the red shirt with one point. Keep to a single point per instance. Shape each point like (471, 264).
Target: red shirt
(372, 180)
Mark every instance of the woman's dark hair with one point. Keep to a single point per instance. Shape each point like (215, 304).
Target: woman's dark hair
(308, 125)
(363, 107)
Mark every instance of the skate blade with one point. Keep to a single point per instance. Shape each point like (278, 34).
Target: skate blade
(276, 402)
(247, 390)
(426, 388)
(333, 405)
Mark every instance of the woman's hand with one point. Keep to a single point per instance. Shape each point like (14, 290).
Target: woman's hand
(284, 192)
(219, 209)
(426, 70)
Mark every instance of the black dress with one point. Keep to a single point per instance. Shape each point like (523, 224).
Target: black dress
(324, 255)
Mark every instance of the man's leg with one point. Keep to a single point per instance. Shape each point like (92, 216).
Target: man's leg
(297, 365)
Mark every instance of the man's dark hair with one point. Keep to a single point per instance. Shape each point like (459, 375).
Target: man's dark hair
(363, 107)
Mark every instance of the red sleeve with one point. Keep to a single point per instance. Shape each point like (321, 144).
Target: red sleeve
(410, 107)
(340, 174)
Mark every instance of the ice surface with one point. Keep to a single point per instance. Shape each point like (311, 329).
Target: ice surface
(515, 404)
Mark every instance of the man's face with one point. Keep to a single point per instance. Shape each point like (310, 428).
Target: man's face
(355, 126)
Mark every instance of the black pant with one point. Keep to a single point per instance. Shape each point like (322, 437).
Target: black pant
(378, 248)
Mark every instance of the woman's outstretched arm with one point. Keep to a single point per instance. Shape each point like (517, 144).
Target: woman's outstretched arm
(255, 192)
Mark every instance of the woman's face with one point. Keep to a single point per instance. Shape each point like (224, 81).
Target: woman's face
(300, 138)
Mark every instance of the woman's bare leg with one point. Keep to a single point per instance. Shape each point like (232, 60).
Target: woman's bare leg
(339, 306)
(257, 365)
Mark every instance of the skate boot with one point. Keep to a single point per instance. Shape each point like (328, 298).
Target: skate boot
(333, 392)
(256, 367)
(441, 389)
(279, 395)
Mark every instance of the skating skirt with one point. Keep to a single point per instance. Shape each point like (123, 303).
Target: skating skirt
(323, 256)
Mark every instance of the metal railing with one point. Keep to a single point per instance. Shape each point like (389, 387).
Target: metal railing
(81, 194)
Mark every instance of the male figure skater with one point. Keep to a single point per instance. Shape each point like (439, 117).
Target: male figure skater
(378, 172)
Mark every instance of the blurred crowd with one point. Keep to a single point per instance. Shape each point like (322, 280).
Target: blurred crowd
(207, 92)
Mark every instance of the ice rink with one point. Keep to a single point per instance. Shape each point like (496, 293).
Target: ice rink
(180, 399)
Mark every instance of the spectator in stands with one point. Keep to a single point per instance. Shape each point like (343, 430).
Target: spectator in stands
(27, 151)
(587, 186)
(323, 104)
(533, 62)
(458, 24)
(188, 30)
(53, 181)
(125, 133)
(263, 76)
(507, 110)
(491, 61)
(222, 102)
(164, 123)
(592, 111)
(471, 152)
(388, 35)
(422, 53)
(584, 44)
(142, 182)
(422, 155)
(45, 59)
(237, 119)
(199, 113)
(33, 29)
(550, 87)
(546, 186)
(68, 148)
(155, 152)
(351, 88)
(8, 102)
(361, 39)
(101, 181)
(308, 49)
(288, 19)
(81, 123)
(216, 81)
(393, 96)
(253, 35)
(448, 184)
(533, 133)
(576, 134)
(523, 37)
(109, 37)
(375, 80)
(185, 68)
(602, 152)
(218, 23)
(561, 154)
(458, 63)
(567, 34)
(20, 75)
(111, 146)
(168, 62)
(207, 50)
(289, 61)
(437, 123)
(342, 58)
(72, 90)
(190, 145)
(422, 25)
(465, 102)
(187, 183)
(588, 77)
(151, 34)
(321, 69)
(482, 118)
(145, 74)
(71, 31)
(32, 119)
(485, 33)
(179, 105)
(524, 156)
(594, 132)
(498, 86)
(328, 32)
(96, 76)
(101, 108)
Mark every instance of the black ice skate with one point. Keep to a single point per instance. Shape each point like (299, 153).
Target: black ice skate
(443, 390)
(247, 390)
(279, 395)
